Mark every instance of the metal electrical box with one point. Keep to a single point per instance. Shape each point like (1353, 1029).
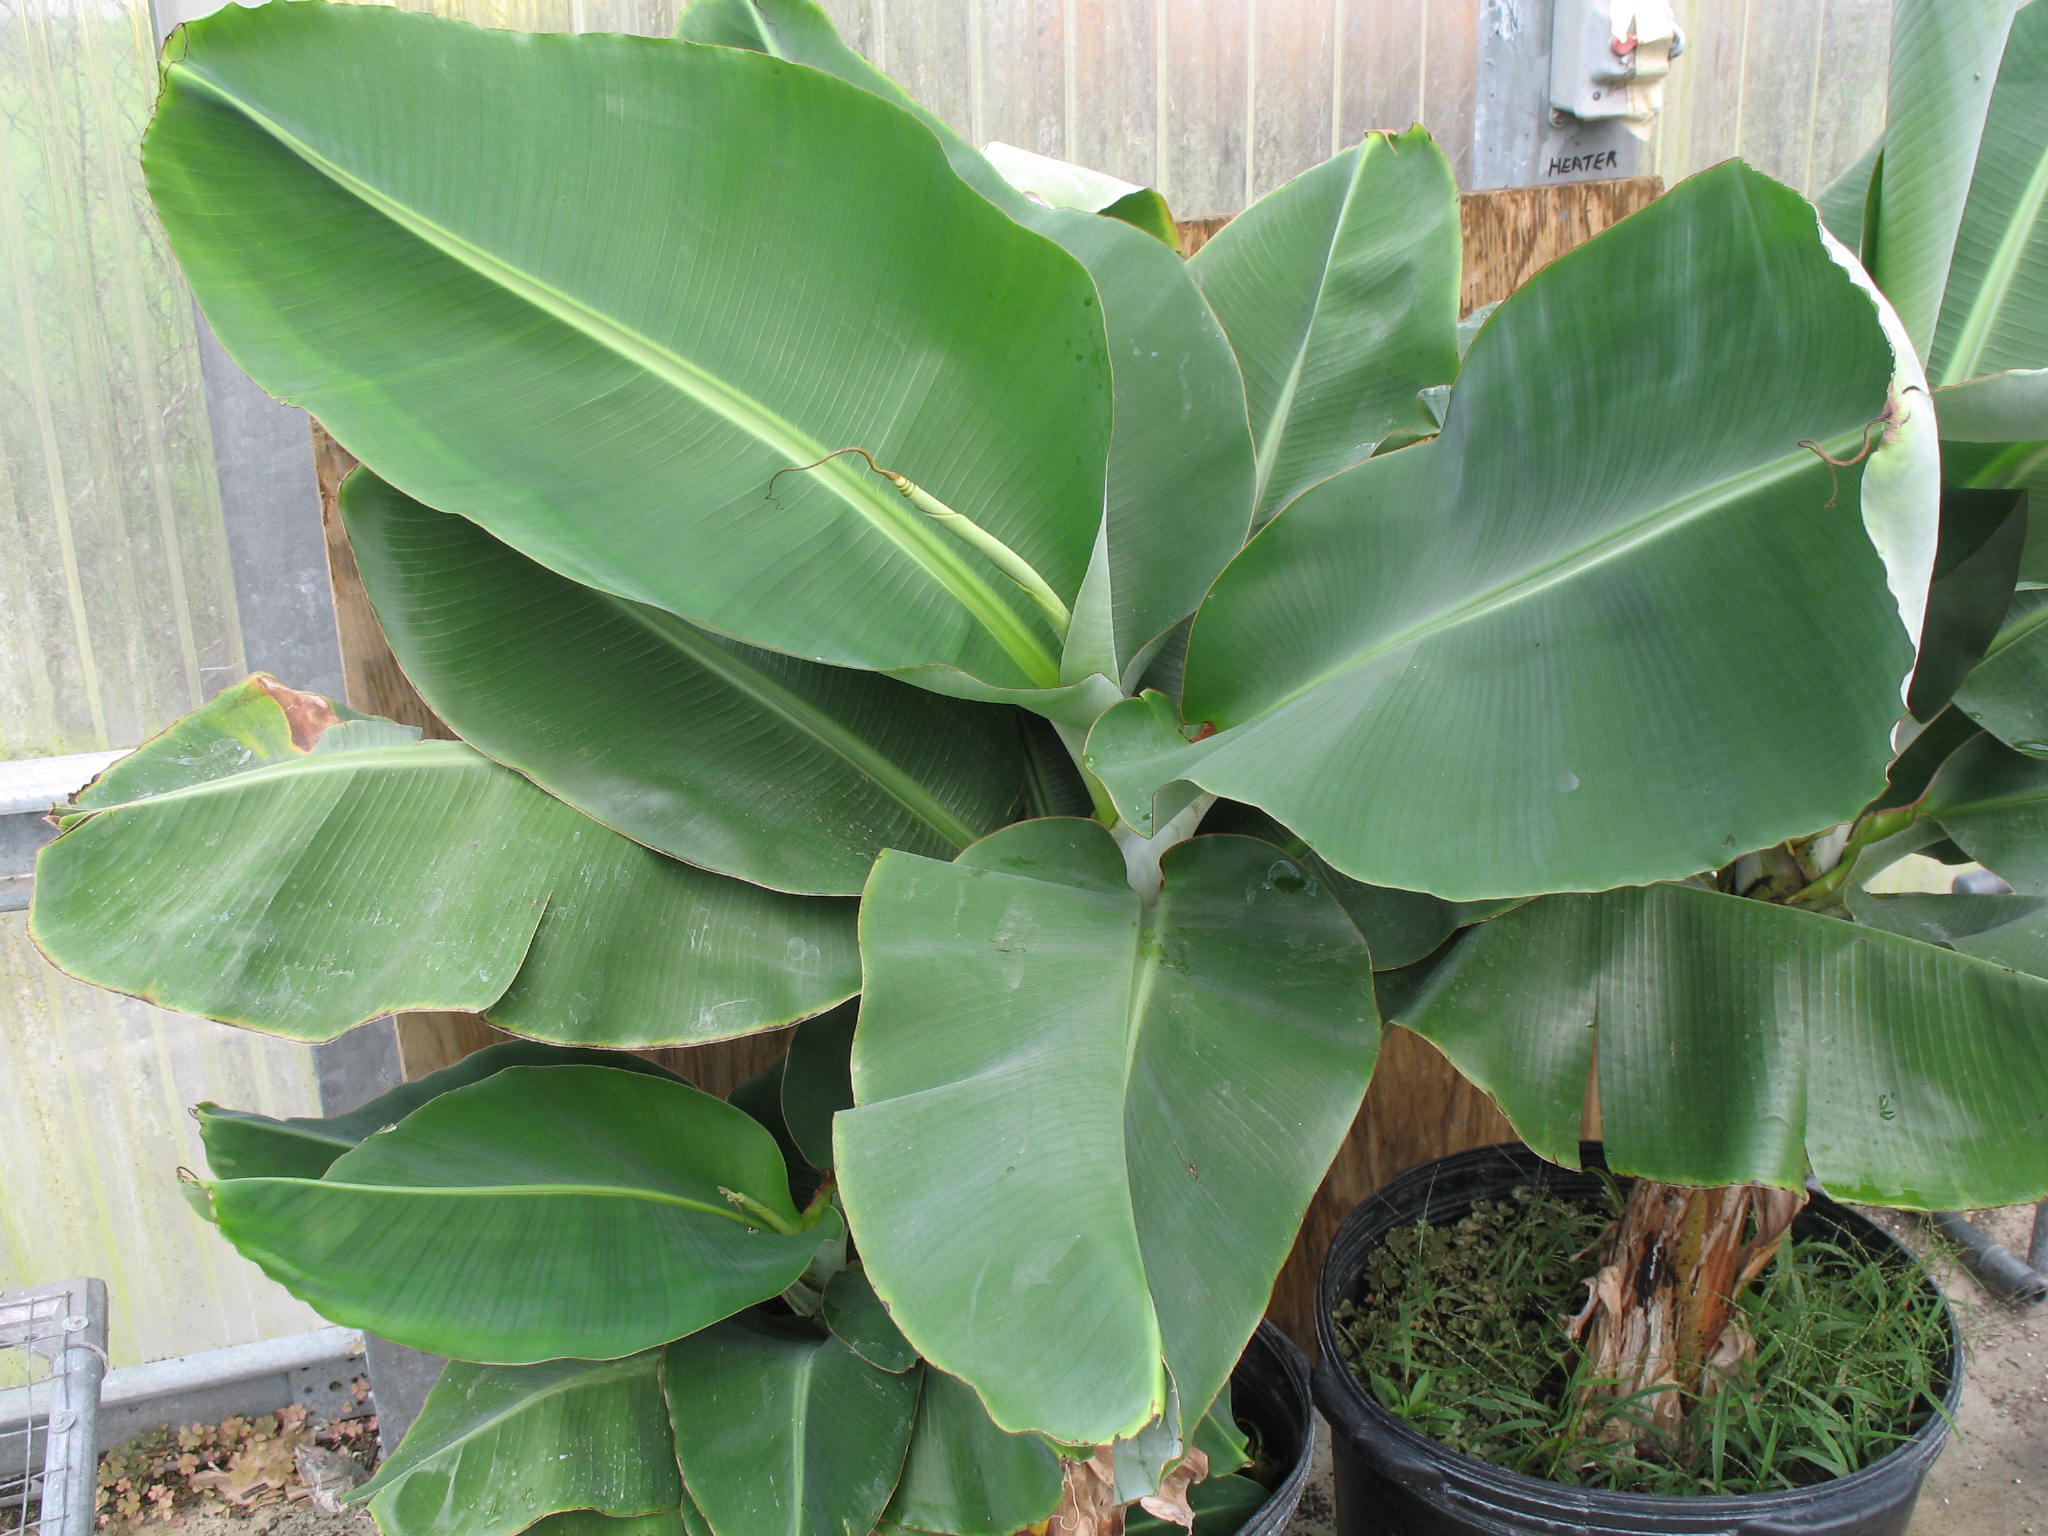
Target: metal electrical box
(1609, 58)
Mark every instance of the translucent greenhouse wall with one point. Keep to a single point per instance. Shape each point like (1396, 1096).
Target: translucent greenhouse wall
(117, 607)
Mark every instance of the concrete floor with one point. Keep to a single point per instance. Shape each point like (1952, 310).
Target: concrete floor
(1993, 1478)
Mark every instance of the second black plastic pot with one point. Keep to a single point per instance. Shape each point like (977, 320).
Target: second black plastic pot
(1269, 1391)
(1394, 1481)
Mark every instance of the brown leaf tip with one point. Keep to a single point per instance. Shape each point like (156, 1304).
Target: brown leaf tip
(308, 714)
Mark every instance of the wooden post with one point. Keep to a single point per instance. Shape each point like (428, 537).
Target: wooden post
(1419, 1108)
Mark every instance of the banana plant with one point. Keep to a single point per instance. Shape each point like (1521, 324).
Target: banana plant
(1089, 694)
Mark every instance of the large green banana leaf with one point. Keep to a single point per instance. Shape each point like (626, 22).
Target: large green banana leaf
(2018, 466)
(719, 267)
(1339, 292)
(684, 1521)
(2007, 692)
(496, 1448)
(1524, 656)
(1119, 1112)
(785, 1432)
(751, 763)
(966, 1477)
(788, 29)
(1845, 203)
(817, 1080)
(1975, 565)
(857, 1318)
(303, 889)
(1401, 927)
(1993, 801)
(1994, 314)
(1743, 1042)
(1061, 184)
(1926, 749)
(1180, 460)
(241, 1144)
(542, 1212)
(2006, 407)
(2007, 930)
(1944, 61)
(1054, 183)
(1180, 488)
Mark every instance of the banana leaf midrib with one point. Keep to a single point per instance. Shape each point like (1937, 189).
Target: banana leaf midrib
(1654, 524)
(1283, 407)
(887, 513)
(430, 755)
(1992, 803)
(806, 719)
(2017, 631)
(518, 1191)
(1144, 976)
(800, 1428)
(623, 1367)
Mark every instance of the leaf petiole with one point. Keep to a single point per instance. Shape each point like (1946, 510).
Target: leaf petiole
(757, 1213)
(970, 533)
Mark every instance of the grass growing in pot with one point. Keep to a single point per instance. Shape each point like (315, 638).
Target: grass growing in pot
(1465, 1332)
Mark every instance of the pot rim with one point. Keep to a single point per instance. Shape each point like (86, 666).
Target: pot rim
(1283, 1358)
(1334, 1378)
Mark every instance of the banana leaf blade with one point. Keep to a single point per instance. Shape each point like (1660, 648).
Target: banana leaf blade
(1744, 1042)
(542, 1213)
(497, 1448)
(1069, 1062)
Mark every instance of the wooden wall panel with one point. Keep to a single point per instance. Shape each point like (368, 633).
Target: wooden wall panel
(1511, 233)
(934, 51)
(1292, 85)
(1204, 151)
(1118, 91)
(1774, 128)
(1450, 77)
(1851, 56)
(1216, 102)
(1378, 68)
(1024, 53)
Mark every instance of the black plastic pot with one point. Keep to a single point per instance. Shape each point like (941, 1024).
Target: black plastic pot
(1270, 1390)
(1393, 1481)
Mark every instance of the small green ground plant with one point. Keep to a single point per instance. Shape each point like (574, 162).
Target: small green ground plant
(1465, 1331)
(886, 591)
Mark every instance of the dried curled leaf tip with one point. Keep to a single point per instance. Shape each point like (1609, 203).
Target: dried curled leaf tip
(308, 714)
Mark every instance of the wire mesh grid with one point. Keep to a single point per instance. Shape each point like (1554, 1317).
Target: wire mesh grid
(53, 1355)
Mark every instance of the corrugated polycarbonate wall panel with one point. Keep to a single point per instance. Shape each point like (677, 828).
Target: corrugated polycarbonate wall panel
(94, 1090)
(116, 606)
